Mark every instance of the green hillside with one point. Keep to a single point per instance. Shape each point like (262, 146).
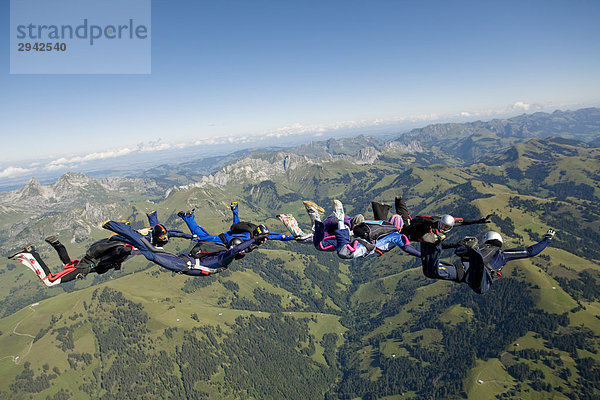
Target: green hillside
(289, 322)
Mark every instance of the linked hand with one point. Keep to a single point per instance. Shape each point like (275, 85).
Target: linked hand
(183, 214)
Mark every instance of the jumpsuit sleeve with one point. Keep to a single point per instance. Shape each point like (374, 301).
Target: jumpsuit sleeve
(179, 234)
(462, 221)
(412, 251)
(403, 242)
(524, 252)
(279, 236)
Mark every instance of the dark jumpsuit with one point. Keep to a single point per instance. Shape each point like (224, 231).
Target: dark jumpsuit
(476, 266)
(182, 263)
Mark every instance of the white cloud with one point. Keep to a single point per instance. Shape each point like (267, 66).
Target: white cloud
(314, 130)
(144, 147)
(11, 172)
(520, 106)
(55, 166)
(63, 161)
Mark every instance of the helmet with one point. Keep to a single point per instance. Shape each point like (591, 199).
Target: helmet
(397, 221)
(494, 238)
(234, 242)
(358, 219)
(260, 230)
(160, 235)
(446, 223)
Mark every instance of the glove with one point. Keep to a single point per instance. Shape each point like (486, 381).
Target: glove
(486, 219)
(550, 234)
(405, 240)
(144, 231)
(469, 241)
(261, 239)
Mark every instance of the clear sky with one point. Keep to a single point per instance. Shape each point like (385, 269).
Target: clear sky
(225, 68)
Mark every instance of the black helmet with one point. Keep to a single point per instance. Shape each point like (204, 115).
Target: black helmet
(160, 235)
(234, 242)
(260, 230)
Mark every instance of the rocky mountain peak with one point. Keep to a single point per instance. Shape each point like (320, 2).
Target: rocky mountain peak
(32, 189)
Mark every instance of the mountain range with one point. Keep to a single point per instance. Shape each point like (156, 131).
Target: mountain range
(290, 322)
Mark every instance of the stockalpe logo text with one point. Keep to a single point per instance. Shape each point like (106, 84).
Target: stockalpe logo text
(84, 31)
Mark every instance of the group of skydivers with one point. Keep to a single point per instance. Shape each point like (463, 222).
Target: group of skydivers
(351, 237)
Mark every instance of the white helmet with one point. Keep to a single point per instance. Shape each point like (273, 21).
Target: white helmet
(446, 223)
(493, 236)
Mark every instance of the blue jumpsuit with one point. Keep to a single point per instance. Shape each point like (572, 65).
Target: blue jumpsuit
(476, 263)
(201, 235)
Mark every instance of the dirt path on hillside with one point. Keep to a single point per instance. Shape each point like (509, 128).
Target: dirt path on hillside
(17, 359)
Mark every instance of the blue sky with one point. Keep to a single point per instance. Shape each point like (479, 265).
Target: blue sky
(241, 68)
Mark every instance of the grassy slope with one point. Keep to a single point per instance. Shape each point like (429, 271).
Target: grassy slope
(157, 294)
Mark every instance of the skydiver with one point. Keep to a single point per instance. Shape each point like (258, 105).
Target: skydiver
(325, 241)
(347, 249)
(423, 228)
(102, 256)
(239, 231)
(380, 212)
(330, 223)
(205, 258)
(478, 263)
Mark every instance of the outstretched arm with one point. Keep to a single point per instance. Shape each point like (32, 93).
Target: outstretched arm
(388, 242)
(482, 220)
(404, 244)
(179, 234)
(280, 236)
(531, 251)
(412, 251)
